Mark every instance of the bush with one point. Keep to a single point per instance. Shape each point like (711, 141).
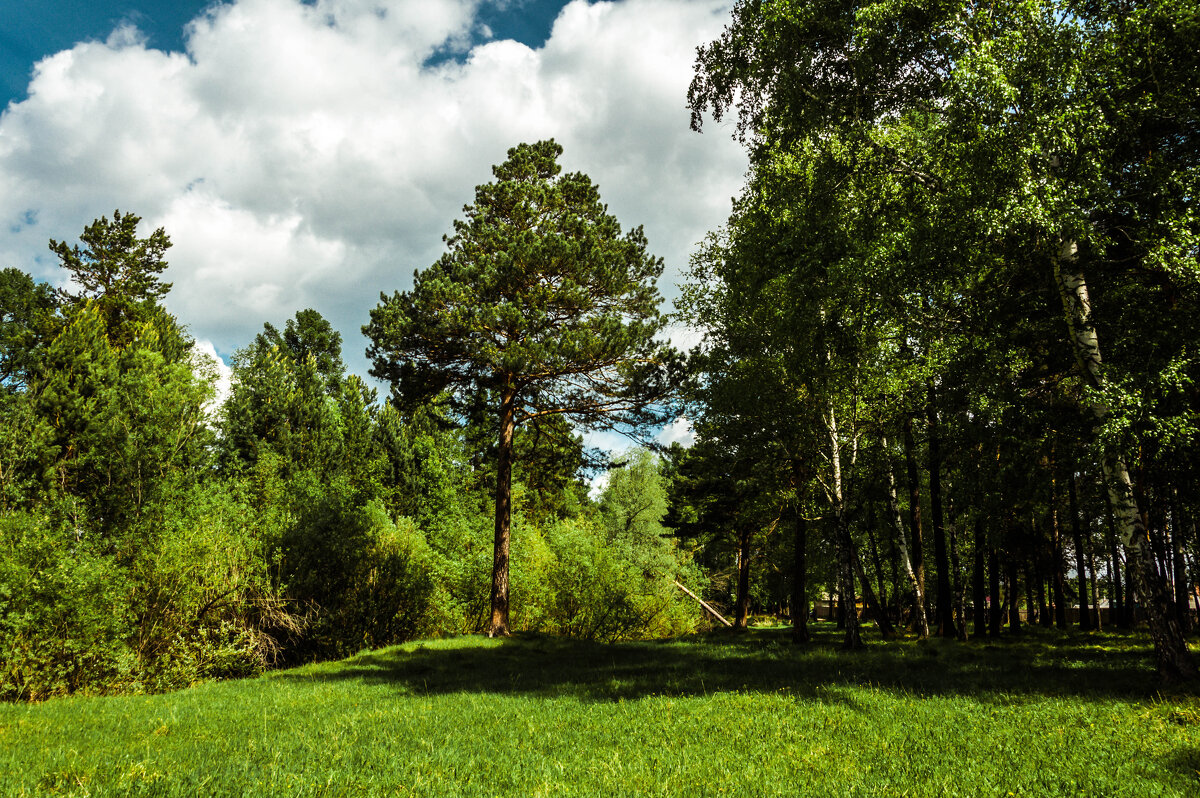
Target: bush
(367, 579)
(462, 549)
(605, 588)
(64, 613)
(206, 603)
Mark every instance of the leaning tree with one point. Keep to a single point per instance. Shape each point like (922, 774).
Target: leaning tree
(541, 306)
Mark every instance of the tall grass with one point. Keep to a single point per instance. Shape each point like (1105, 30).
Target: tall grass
(716, 715)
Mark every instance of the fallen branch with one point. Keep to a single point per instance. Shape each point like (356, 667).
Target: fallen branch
(703, 604)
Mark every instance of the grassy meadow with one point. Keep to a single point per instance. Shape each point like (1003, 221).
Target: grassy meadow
(1045, 714)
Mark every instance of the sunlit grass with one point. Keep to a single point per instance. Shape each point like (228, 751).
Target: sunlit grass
(720, 715)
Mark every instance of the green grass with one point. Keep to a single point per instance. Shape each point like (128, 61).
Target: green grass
(718, 715)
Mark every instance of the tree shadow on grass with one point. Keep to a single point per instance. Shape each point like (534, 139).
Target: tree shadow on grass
(1006, 671)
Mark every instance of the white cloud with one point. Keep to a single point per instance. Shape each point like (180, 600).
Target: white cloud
(683, 337)
(301, 155)
(209, 365)
(597, 484)
(678, 431)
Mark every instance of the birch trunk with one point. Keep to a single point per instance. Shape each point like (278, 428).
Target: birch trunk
(914, 512)
(845, 553)
(1170, 647)
(1081, 559)
(921, 622)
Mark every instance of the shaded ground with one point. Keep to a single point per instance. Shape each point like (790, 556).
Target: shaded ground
(1039, 663)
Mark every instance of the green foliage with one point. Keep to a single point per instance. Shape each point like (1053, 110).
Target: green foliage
(285, 399)
(117, 271)
(421, 463)
(64, 612)
(202, 589)
(538, 285)
(606, 586)
(365, 577)
(26, 315)
(124, 419)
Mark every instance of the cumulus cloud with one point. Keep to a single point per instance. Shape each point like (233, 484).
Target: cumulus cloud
(313, 154)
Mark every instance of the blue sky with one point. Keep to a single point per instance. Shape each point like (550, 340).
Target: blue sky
(313, 154)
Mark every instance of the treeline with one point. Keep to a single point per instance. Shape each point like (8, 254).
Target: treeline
(149, 539)
(953, 319)
(950, 368)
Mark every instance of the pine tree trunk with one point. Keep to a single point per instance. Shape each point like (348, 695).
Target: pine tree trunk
(1170, 646)
(498, 626)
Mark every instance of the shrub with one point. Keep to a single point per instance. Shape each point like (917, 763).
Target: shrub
(366, 578)
(64, 618)
(603, 587)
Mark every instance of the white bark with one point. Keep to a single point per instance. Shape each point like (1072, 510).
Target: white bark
(922, 622)
(1169, 643)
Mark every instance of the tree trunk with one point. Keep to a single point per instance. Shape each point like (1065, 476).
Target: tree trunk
(1014, 597)
(499, 622)
(1057, 576)
(960, 602)
(945, 606)
(1178, 567)
(920, 621)
(872, 521)
(742, 619)
(1131, 607)
(1097, 624)
(1116, 588)
(1170, 646)
(873, 602)
(1033, 576)
(799, 566)
(1085, 614)
(845, 547)
(921, 611)
(995, 616)
(978, 589)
